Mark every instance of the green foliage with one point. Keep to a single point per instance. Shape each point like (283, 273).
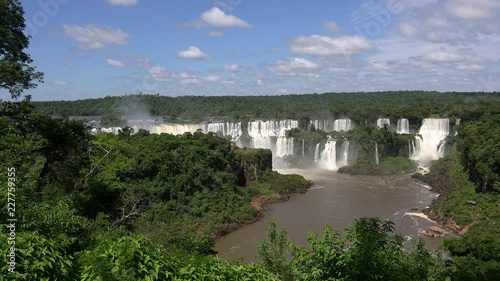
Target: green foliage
(275, 253)
(398, 165)
(475, 255)
(254, 162)
(373, 254)
(16, 74)
(36, 258)
(480, 147)
(362, 108)
(127, 258)
(286, 184)
(323, 259)
(368, 252)
(112, 120)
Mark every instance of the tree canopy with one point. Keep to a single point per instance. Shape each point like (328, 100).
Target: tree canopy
(16, 74)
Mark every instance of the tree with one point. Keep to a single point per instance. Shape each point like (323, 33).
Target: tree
(275, 253)
(16, 74)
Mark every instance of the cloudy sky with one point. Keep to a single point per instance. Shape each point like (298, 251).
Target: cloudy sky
(96, 48)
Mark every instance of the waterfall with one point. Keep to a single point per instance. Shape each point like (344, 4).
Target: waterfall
(113, 130)
(284, 146)
(316, 154)
(263, 134)
(328, 157)
(342, 125)
(403, 126)
(344, 153)
(376, 154)
(410, 145)
(457, 122)
(429, 146)
(303, 144)
(324, 125)
(271, 135)
(383, 121)
(339, 125)
(225, 129)
(176, 129)
(441, 149)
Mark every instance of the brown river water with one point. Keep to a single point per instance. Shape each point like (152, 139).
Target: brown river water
(337, 200)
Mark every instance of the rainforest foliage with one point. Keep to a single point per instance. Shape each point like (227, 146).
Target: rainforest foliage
(126, 207)
(368, 251)
(148, 207)
(467, 179)
(362, 108)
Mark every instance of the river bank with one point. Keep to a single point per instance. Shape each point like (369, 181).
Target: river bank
(337, 200)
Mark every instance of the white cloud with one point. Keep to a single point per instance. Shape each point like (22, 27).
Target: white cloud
(294, 64)
(212, 79)
(332, 27)
(123, 2)
(115, 63)
(437, 21)
(182, 75)
(431, 36)
(377, 66)
(260, 82)
(215, 34)
(192, 52)
(338, 70)
(470, 67)
(324, 45)
(159, 73)
(192, 81)
(92, 37)
(232, 67)
(473, 9)
(407, 30)
(217, 17)
(443, 57)
(59, 83)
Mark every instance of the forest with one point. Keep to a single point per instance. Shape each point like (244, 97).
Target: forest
(148, 207)
(362, 108)
(143, 206)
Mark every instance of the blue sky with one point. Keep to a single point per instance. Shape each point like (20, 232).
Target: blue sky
(96, 48)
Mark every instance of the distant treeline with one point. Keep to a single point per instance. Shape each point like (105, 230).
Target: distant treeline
(360, 107)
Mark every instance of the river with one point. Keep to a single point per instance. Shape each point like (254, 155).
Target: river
(337, 200)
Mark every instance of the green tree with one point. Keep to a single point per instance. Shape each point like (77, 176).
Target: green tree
(16, 74)
(275, 253)
(324, 258)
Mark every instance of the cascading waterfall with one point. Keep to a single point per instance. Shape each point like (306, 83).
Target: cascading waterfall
(328, 157)
(264, 133)
(403, 126)
(177, 129)
(441, 148)
(342, 125)
(316, 154)
(113, 130)
(284, 146)
(376, 154)
(226, 129)
(339, 125)
(303, 146)
(344, 154)
(430, 145)
(383, 121)
(323, 125)
(410, 146)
